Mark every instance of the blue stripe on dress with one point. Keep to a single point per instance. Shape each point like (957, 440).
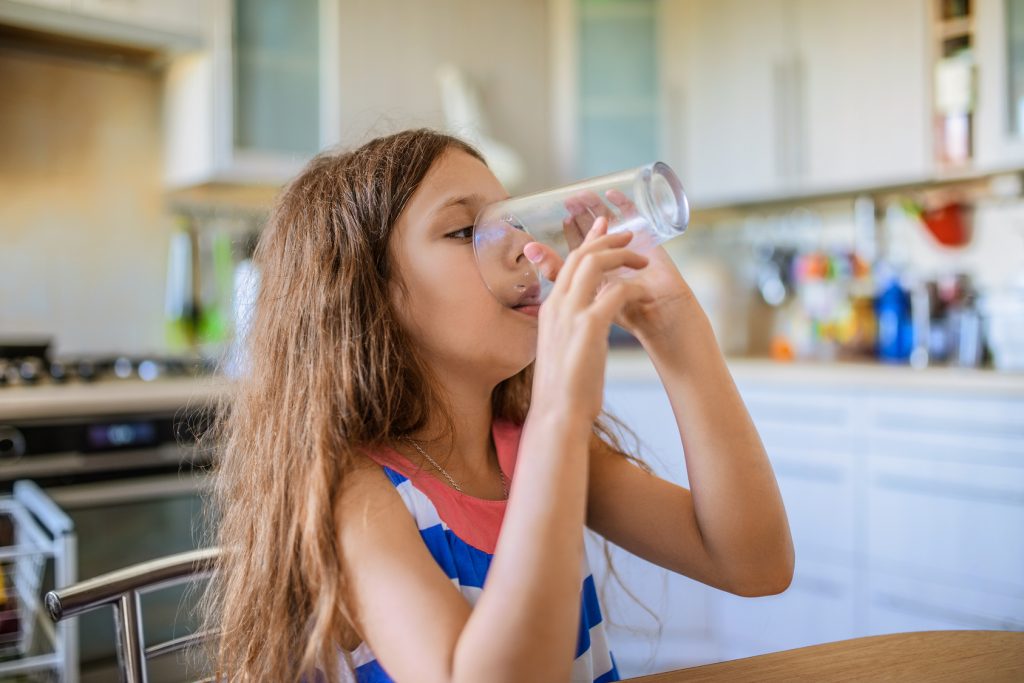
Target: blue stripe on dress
(395, 477)
(457, 558)
(469, 565)
(372, 672)
(590, 615)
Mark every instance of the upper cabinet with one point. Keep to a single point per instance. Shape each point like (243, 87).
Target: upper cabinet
(864, 84)
(618, 85)
(727, 68)
(261, 101)
(776, 97)
(999, 32)
(151, 24)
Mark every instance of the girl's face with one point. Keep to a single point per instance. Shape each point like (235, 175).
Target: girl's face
(460, 326)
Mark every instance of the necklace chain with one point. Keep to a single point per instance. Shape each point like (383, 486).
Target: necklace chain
(504, 484)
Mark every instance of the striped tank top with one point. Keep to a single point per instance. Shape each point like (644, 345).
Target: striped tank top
(461, 532)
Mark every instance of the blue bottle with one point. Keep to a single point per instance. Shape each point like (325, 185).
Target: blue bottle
(895, 329)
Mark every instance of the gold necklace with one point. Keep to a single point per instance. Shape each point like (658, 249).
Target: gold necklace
(504, 484)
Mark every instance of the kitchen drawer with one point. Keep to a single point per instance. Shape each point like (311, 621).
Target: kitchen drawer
(951, 522)
(897, 604)
(976, 430)
(819, 606)
(810, 411)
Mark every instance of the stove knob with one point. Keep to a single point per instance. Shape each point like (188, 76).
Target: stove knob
(86, 370)
(30, 371)
(148, 370)
(58, 371)
(123, 367)
(12, 442)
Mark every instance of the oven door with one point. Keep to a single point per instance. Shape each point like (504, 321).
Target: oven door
(123, 521)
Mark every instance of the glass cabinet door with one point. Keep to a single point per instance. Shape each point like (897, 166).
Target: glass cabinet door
(1015, 66)
(618, 85)
(276, 50)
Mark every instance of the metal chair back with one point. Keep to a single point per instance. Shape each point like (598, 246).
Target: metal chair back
(123, 589)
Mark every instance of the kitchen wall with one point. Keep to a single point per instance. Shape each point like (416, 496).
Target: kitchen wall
(84, 233)
(388, 70)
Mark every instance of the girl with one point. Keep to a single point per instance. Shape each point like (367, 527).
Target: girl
(400, 435)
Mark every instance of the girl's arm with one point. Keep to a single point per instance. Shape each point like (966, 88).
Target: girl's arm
(730, 531)
(524, 626)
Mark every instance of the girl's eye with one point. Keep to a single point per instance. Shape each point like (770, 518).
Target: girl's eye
(458, 233)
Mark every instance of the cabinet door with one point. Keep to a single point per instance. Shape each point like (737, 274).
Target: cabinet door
(999, 118)
(898, 604)
(261, 101)
(818, 607)
(864, 75)
(945, 495)
(618, 107)
(680, 603)
(726, 124)
(962, 523)
(813, 448)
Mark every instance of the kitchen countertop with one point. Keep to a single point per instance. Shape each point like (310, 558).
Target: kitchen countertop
(108, 397)
(633, 363)
(624, 364)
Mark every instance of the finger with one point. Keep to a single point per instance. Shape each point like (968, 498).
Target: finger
(594, 269)
(573, 236)
(580, 216)
(624, 203)
(594, 237)
(594, 205)
(616, 296)
(546, 259)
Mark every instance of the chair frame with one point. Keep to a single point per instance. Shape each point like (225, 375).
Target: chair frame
(122, 589)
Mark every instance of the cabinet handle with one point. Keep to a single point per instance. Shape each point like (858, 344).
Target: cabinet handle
(923, 609)
(798, 118)
(981, 494)
(808, 472)
(780, 112)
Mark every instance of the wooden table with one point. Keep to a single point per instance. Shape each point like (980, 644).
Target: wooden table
(989, 656)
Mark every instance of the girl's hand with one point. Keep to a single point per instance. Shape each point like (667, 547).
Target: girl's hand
(644, 318)
(574, 321)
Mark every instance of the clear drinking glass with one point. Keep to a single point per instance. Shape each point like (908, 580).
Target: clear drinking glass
(649, 200)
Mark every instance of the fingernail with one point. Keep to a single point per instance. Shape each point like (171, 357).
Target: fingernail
(533, 252)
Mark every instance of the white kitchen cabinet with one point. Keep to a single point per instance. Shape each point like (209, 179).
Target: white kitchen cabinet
(682, 604)
(728, 127)
(905, 499)
(811, 441)
(261, 101)
(818, 607)
(863, 77)
(898, 604)
(776, 97)
(150, 24)
(999, 53)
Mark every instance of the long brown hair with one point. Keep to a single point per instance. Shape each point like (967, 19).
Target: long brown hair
(330, 372)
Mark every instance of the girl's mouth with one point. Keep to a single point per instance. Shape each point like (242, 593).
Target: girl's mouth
(532, 310)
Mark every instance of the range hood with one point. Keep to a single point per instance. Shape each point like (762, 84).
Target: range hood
(76, 27)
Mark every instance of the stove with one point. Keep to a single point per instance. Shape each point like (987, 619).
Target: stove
(27, 363)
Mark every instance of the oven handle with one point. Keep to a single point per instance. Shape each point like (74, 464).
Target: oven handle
(123, 491)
